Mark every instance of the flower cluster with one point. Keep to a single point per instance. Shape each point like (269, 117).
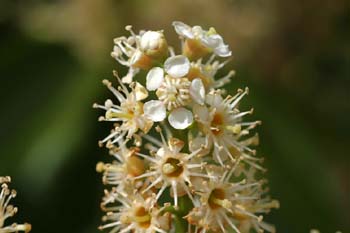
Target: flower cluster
(7, 210)
(179, 138)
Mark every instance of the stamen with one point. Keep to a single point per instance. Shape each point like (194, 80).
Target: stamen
(129, 28)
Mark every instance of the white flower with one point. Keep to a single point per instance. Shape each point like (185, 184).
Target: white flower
(207, 71)
(220, 122)
(136, 214)
(250, 208)
(126, 166)
(225, 203)
(208, 39)
(173, 91)
(7, 210)
(176, 67)
(129, 112)
(171, 167)
(139, 51)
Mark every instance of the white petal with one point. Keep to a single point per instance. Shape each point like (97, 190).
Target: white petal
(140, 92)
(214, 99)
(202, 112)
(154, 78)
(183, 29)
(197, 91)
(223, 51)
(177, 66)
(180, 118)
(197, 31)
(154, 110)
(212, 41)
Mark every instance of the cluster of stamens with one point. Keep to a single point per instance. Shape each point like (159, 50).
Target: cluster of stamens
(7, 210)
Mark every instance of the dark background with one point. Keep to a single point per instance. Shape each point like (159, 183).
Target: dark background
(294, 56)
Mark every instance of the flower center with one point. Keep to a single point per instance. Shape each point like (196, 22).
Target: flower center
(217, 199)
(174, 92)
(128, 111)
(172, 167)
(142, 217)
(216, 123)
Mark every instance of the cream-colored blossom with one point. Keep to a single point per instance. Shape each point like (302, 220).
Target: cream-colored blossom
(134, 214)
(227, 204)
(174, 91)
(124, 168)
(207, 72)
(221, 124)
(139, 51)
(199, 42)
(7, 210)
(171, 167)
(128, 111)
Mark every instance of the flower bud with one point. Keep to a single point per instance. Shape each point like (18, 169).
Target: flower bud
(153, 44)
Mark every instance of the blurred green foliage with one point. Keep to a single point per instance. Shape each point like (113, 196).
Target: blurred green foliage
(294, 56)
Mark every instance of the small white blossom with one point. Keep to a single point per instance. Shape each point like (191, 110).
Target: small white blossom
(173, 90)
(221, 123)
(139, 51)
(127, 165)
(207, 72)
(136, 214)
(224, 203)
(176, 67)
(209, 39)
(7, 210)
(129, 112)
(171, 167)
